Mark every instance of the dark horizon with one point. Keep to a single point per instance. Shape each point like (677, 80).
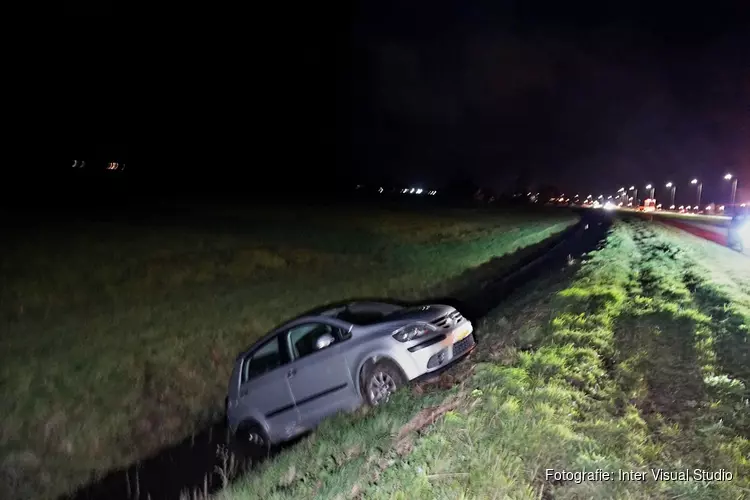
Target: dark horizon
(583, 98)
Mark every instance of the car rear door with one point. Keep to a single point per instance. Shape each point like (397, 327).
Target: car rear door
(319, 379)
(265, 391)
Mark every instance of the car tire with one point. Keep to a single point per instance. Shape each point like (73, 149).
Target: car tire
(380, 382)
(251, 442)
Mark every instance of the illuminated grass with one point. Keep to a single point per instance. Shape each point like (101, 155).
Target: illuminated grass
(626, 365)
(118, 340)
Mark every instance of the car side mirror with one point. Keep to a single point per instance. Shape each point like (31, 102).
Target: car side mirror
(324, 341)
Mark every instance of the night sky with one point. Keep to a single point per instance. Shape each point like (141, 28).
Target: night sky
(587, 97)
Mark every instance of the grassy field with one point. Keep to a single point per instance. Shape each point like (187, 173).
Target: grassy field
(118, 339)
(636, 358)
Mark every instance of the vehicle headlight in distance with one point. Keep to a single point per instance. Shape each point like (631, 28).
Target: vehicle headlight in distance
(410, 332)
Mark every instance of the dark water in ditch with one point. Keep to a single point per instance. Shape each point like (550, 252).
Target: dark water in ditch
(196, 463)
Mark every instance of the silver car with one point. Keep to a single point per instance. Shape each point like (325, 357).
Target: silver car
(318, 365)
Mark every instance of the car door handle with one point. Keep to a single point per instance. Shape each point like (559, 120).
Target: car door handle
(291, 373)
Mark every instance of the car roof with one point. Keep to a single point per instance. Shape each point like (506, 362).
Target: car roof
(320, 313)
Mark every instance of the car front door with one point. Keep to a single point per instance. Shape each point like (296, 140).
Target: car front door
(319, 378)
(265, 391)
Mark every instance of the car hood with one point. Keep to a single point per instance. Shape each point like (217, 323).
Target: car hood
(427, 313)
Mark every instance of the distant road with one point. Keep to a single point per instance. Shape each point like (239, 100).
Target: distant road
(715, 231)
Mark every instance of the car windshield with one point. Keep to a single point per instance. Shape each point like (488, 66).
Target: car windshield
(402, 313)
(369, 313)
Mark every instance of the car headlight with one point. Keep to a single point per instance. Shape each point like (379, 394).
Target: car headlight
(410, 332)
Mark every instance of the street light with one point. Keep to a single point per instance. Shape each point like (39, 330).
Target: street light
(651, 188)
(621, 193)
(635, 194)
(700, 189)
(674, 191)
(730, 177)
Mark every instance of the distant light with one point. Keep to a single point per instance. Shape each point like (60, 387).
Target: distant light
(721, 208)
(649, 186)
(600, 197)
(632, 188)
(669, 184)
(380, 190)
(412, 190)
(621, 189)
(728, 177)
(672, 207)
(708, 207)
(419, 191)
(630, 199)
(742, 205)
(609, 197)
(694, 181)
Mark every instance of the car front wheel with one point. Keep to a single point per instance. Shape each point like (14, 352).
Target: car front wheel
(381, 381)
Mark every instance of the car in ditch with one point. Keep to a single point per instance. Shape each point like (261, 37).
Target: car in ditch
(335, 360)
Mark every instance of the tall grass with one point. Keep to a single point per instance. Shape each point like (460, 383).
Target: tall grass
(119, 339)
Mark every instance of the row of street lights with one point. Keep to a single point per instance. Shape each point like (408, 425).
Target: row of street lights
(673, 189)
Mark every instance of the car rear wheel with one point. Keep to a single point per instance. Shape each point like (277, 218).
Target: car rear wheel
(251, 442)
(381, 381)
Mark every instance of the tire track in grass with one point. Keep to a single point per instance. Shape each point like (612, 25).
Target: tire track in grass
(661, 372)
(676, 347)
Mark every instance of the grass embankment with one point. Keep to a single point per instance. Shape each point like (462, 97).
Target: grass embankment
(118, 339)
(639, 359)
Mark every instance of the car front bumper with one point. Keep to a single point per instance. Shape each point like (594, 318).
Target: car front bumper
(439, 350)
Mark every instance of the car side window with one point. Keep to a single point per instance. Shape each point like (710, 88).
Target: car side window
(264, 359)
(303, 339)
